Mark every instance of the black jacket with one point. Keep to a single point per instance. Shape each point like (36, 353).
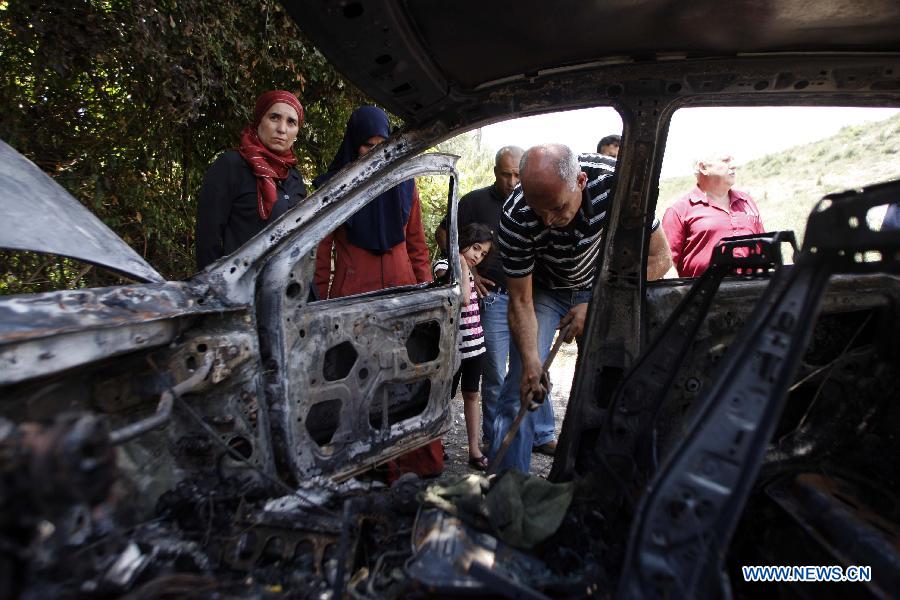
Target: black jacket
(227, 211)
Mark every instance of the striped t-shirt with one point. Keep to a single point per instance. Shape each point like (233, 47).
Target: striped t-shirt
(471, 339)
(563, 258)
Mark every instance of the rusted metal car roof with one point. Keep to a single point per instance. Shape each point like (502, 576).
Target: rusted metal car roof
(421, 58)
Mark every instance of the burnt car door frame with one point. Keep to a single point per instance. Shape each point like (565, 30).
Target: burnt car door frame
(55, 347)
(617, 330)
(354, 381)
(689, 512)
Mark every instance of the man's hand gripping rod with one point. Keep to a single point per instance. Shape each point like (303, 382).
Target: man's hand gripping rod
(528, 403)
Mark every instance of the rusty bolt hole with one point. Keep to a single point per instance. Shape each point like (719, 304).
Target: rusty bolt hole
(274, 551)
(676, 509)
(242, 446)
(246, 546)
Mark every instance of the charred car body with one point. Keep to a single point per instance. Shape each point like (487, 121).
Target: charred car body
(771, 440)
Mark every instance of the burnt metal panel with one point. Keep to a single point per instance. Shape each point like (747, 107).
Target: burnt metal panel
(418, 60)
(623, 446)
(845, 295)
(492, 45)
(617, 325)
(40, 216)
(48, 333)
(387, 404)
(223, 411)
(838, 515)
(375, 42)
(688, 513)
(374, 370)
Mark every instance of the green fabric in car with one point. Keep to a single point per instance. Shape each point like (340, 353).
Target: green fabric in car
(522, 510)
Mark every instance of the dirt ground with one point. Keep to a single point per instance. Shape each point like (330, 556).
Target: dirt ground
(456, 447)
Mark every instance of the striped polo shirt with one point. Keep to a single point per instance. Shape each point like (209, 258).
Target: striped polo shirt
(471, 338)
(563, 258)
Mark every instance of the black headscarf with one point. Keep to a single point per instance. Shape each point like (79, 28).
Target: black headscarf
(381, 224)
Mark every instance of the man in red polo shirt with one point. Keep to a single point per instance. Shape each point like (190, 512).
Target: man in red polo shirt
(711, 211)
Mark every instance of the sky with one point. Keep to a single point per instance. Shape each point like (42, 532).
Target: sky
(745, 132)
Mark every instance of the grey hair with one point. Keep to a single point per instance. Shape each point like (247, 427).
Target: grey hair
(567, 166)
(504, 151)
(709, 157)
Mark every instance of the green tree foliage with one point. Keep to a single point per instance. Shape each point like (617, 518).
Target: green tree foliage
(127, 103)
(475, 168)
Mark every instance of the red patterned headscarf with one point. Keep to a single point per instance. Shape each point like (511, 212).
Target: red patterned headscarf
(265, 164)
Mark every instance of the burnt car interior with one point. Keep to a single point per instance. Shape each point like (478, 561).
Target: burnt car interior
(205, 436)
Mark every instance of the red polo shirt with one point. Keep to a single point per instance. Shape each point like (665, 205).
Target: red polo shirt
(693, 227)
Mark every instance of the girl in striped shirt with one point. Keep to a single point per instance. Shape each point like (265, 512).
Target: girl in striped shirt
(475, 241)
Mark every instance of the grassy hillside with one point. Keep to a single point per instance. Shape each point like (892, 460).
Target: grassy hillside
(787, 185)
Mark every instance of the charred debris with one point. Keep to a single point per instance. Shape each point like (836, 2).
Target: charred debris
(647, 519)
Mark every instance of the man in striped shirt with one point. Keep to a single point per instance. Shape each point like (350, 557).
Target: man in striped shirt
(550, 237)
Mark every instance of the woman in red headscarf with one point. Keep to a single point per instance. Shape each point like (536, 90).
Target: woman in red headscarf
(245, 189)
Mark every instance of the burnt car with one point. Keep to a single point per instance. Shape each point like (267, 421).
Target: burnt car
(731, 421)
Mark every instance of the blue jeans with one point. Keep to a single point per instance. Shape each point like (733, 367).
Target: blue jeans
(495, 323)
(550, 306)
(496, 340)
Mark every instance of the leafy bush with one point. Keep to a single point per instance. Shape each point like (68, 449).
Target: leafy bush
(127, 103)
(475, 168)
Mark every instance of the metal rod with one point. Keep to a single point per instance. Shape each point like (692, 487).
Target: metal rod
(343, 550)
(164, 408)
(528, 404)
(502, 585)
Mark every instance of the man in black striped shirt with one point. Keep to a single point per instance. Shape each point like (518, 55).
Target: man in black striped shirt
(550, 236)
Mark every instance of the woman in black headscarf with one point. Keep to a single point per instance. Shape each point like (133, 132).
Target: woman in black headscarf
(382, 245)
